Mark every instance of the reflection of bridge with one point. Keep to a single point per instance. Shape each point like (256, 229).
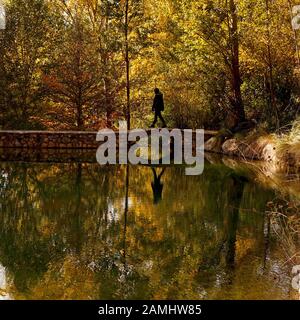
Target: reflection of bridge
(61, 156)
(59, 139)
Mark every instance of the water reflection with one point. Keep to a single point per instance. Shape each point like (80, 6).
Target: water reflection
(81, 231)
(157, 185)
(3, 284)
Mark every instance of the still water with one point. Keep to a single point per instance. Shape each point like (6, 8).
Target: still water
(81, 231)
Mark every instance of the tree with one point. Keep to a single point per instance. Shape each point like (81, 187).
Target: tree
(86, 63)
(269, 59)
(74, 81)
(104, 20)
(25, 48)
(233, 41)
(126, 26)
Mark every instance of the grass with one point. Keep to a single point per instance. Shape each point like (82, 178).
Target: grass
(285, 222)
(292, 138)
(288, 148)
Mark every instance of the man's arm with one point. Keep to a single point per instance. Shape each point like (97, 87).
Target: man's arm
(154, 103)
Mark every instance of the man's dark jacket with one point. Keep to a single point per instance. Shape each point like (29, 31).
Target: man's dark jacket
(158, 103)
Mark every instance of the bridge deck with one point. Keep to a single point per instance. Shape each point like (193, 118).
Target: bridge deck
(58, 139)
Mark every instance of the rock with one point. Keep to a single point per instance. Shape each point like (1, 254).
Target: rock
(214, 144)
(231, 147)
(268, 152)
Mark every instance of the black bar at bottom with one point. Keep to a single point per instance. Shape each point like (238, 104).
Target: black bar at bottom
(148, 309)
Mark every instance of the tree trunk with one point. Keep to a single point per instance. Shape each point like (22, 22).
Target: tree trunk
(107, 86)
(127, 66)
(79, 110)
(79, 118)
(237, 101)
(273, 106)
(108, 105)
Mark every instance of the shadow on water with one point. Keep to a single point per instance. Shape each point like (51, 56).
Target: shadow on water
(157, 185)
(81, 231)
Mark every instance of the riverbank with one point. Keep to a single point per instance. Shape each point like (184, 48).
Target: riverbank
(280, 153)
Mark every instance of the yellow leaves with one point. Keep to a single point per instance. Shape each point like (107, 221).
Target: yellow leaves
(52, 82)
(161, 36)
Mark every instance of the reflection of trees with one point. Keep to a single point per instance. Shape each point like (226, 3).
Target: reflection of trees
(74, 220)
(43, 214)
(76, 227)
(233, 187)
(22, 250)
(235, 194)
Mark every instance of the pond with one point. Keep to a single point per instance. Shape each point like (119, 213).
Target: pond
(84, 231)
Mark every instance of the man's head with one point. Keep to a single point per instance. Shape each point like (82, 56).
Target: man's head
(156, 90)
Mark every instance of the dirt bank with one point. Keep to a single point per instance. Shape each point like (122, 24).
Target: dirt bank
(279, 157)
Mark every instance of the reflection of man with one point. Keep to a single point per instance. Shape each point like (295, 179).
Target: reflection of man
(157, 186)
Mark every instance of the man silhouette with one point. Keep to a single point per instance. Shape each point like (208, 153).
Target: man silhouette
(157, 185)
(158, 107)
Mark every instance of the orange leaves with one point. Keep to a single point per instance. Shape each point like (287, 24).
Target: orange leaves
(52, 82)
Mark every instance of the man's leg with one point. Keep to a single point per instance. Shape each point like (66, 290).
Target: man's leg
(162, 119)
(155, 120)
